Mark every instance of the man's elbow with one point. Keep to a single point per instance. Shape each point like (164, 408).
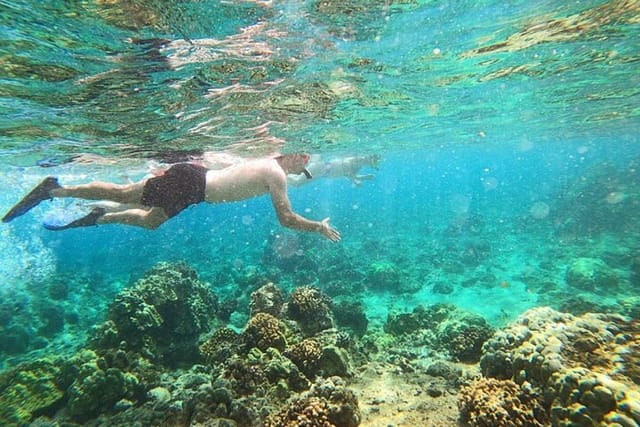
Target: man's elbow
(288, 221)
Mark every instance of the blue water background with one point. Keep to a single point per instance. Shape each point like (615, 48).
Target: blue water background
(415, 196)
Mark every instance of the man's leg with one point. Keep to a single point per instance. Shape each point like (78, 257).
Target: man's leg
(127, 193)
(146, 218)
(50, 188)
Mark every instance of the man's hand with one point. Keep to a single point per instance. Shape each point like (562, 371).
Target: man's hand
(329, 232)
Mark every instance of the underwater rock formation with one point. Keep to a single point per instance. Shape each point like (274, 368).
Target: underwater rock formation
(263, 331)
(443, 326)
(311, 309)
(267, 299)
(489, 402)
(327, 404)
(603, 199)
(585, 366)
(161, 316)
(591, 274)
(384, 275)
(351, 315)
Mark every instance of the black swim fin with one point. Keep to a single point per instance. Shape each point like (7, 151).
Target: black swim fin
(31, 200)
(85, 221)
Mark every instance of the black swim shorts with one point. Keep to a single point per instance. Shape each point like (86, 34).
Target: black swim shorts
(181, 185)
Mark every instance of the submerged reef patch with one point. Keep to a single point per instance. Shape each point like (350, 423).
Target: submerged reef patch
(311, 309)
(592, 275)
(489, 402)
(32, 388)
(443, 327)
(603, 199)
(584, 366)
(327, 404)
(161, 316)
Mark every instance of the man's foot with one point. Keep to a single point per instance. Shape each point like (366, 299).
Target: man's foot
(85, 221)
(31, 200)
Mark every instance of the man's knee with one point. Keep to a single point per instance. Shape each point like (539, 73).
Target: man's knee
(155, 218)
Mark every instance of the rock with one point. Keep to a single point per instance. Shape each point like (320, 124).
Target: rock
(591, 274)
(159, 395)
(334, 361)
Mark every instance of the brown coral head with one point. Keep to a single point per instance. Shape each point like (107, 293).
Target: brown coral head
(264, 331)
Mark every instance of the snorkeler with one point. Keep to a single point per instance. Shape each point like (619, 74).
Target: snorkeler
(348, 167)
(152, 201)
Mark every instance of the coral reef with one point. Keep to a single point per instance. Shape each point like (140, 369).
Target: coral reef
(267, 299)
(420, 318)
(33, 387)
(463, 336)
(603, 199)
(311, 411)
(445, 327)
(327, 404)
(222, 344)
(591, 274)
(489, 402)
(311, 309)
(98, 387)
(384, 275)
(161, 316)
(263, 331)
(585, 366)
(305, 355)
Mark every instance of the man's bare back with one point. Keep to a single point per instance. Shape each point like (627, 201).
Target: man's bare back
(243, 180)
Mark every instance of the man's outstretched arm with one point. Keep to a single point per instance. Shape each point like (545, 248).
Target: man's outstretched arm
(288, 218)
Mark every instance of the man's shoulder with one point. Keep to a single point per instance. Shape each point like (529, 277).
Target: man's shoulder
(268, 168)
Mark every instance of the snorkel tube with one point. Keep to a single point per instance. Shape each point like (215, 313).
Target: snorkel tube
(307, 173)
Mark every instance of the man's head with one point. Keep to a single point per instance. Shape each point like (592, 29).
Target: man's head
(294, 164)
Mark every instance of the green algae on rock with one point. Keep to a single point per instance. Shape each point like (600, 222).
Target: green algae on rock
(29, 389)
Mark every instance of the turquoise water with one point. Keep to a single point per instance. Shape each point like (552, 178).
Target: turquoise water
(509, 138)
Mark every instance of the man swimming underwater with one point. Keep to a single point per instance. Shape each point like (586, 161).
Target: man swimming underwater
(152, 201)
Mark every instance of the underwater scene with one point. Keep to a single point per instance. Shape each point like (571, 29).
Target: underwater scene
(320, 213)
